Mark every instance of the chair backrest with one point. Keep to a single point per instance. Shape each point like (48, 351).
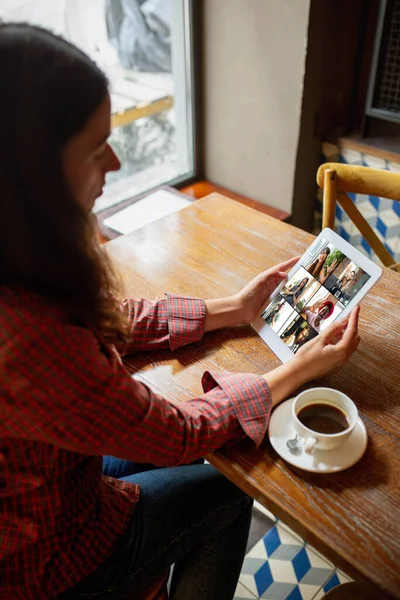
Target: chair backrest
(337, 179)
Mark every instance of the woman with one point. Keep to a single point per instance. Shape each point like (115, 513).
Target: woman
(271, 317)
(327, 271)
(315, 268)
(293, 293)
(298, 338)
(318, 312)
(344, 285)
(69, 531)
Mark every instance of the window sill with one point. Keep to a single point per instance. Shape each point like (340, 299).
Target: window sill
(384, 147)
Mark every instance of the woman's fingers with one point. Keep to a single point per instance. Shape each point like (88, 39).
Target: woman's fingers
(333, 331)
(278, 271)
(287, 264)
(330, 350)
(351, 333)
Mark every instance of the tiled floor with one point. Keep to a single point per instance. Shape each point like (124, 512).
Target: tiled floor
(280, 566)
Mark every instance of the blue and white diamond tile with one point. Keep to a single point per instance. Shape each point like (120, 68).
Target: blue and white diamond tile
(311, 568)
(362, 202)
(391, 222)
(291, 532)
(367, 209)
(389, 216)
(386, 231)
(396, 207)
(394, 247)
(359, 198)
(375, 162)
(352, 157)
(349, 231)
(243, 594)
(375, 201)
(337, 578)
(381, 227)
(340, 214)
(385, 203)
(281, 567)
(342, 232)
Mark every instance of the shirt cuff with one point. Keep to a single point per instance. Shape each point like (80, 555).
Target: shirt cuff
(250, 397)
(186, 320)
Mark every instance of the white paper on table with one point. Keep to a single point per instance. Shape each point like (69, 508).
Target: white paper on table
(148, 209)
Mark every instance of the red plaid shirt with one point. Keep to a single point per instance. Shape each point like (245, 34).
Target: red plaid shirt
(66, 400)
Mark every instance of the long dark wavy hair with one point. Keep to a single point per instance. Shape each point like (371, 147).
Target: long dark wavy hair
(47, 242)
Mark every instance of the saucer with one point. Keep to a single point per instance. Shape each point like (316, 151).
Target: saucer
(280, 430)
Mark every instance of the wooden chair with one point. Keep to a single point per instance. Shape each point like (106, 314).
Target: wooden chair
(337, 179)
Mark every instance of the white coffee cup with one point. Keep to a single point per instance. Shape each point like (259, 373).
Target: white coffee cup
(311, 439)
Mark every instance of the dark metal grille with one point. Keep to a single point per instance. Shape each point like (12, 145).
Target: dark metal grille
(387, 90)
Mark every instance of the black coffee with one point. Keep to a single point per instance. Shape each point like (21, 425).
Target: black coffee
(323, 418)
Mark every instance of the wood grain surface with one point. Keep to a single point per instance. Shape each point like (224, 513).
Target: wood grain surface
(362, 180)
(203, 188)
(213, 248)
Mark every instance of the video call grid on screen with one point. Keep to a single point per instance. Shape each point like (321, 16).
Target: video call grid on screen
(325, 282)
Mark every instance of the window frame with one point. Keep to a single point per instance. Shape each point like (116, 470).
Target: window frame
(370, 110)
(192, 34)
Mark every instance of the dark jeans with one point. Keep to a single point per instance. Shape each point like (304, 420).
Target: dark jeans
(190, 516)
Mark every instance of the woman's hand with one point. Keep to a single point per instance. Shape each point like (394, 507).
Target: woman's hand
(244, 306)
(314, 307)
(322, 356)
(330, 350)
(326, 271)
(254, 295)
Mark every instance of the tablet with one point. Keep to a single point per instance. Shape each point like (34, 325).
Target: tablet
(325, 284)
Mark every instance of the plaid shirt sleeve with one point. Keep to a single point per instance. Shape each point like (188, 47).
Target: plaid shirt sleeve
(69, 390)
(172, 322)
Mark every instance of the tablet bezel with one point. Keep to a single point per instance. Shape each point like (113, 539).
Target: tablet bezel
(270, 337)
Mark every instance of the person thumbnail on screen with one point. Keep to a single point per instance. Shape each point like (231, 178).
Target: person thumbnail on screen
(297, 333)
(277, 313)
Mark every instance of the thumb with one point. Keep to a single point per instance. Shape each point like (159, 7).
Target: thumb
(334, 329)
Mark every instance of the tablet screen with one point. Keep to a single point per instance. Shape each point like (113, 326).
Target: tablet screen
(315, 295)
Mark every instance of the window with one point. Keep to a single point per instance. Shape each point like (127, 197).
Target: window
(384, 92)
(145, 48)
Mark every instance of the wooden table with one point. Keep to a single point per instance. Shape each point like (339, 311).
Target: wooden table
(211, 249)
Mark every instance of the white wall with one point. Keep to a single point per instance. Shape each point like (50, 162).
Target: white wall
(254, 55)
